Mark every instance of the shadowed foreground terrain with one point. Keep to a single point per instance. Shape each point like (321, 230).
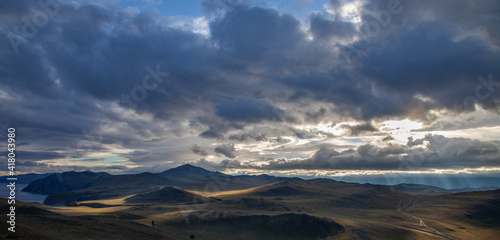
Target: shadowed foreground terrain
(279, 209)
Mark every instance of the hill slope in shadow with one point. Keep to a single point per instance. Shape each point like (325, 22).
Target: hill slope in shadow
(168, 195)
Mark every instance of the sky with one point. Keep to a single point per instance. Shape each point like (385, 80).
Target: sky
(342, 88)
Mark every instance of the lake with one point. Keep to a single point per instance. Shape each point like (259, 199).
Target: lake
(22, 196)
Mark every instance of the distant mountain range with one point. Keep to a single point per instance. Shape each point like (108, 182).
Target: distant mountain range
(418, 188)
(63, 182)
(69, 187)
(188, 201)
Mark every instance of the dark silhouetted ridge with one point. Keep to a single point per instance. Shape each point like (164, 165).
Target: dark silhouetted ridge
(63, 182)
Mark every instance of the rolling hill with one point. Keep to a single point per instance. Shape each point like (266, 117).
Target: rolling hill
(258, 207)
(419, 188)
(168, 195)
(185, 176)
(36, 221)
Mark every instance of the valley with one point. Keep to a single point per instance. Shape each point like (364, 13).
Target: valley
(212, 205)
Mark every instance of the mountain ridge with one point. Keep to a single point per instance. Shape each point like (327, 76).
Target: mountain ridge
(186, 176)
(213, 205)
(62, 182)
(192, 177)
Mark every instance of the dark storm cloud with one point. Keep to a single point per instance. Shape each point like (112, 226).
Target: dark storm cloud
(89, 59)
(253, 33)
(213, 133)
(468, 14)
(248, 136)
(336, 4)
(69, 65)
(351, 96)
(356, 130)
(121, 60)
(211, 6)
(199, 150)
(35, 156)
(412, 142)
(414, 53)
(77, 66)
(217, 127)
(418, 58)
(281, 140)
(250, 111)
(226, 150)
(431, 67)
(257, 66)
(325, 29)
(315, 117)
(388, 138)
(303, 134)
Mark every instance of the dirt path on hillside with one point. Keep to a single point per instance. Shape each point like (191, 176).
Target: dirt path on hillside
(422, 223)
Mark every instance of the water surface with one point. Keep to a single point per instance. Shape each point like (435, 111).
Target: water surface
(22, 196)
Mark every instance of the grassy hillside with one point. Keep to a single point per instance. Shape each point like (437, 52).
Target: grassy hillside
(38, 222)
(287, 209)
(168, 195)
(186, 176)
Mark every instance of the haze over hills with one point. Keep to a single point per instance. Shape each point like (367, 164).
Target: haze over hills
(419, 188)
(213, 205)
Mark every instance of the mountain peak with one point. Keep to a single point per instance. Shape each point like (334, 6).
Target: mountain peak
(184, 169)
(188, 167)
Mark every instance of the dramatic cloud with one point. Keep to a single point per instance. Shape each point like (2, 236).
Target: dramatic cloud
(250, 34)
(28, 156)
(325, 29)
(433, 152)
(356, 130)
(199, 150)
(226, 150)
(342, 86)
(250, 111)
(248, 136)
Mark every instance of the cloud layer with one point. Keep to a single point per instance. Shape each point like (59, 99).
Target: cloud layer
(80, 79)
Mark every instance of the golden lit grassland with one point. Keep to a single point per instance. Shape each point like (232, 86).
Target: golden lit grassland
(84, 210)
(114, 201)
(460, 216)
(450, 219)
(363, 212)
(226, 194)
